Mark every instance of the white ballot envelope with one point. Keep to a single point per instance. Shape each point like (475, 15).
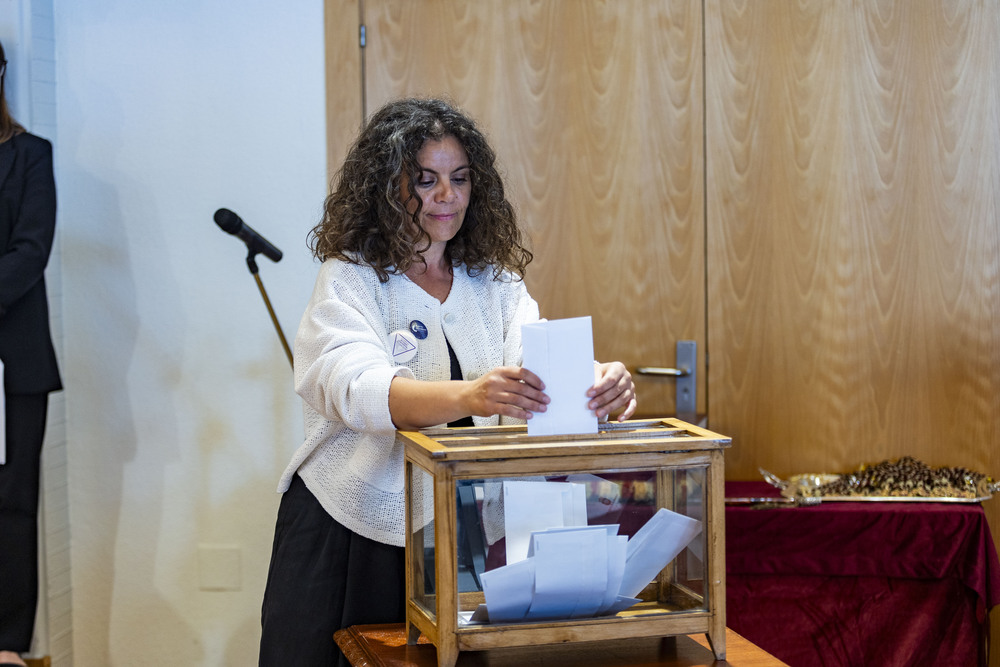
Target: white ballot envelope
(509, 590)
(532, 506)
(560, 567)
(654, 545)
(561, 353)
(571, 572)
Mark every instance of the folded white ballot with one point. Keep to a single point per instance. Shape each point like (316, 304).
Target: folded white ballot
(561, 353)
(574, 571)
(571, 572)
(654, 545)
(533, 506)
(509, 590)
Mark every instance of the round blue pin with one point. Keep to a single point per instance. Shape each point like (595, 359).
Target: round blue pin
(418, 329)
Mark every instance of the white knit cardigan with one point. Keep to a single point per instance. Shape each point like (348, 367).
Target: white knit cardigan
(349, 459)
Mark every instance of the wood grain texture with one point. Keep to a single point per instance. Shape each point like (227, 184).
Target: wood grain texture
(344, 113)
(853, 246)
(853, 171)
(595, 111)
(385, 646)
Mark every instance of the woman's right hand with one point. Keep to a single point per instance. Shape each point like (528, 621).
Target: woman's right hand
(510, 391)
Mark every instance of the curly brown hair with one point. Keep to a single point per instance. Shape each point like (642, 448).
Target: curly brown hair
(365, 222)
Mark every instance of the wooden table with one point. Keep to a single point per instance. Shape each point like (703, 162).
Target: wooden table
(850, 583)
(385, 646)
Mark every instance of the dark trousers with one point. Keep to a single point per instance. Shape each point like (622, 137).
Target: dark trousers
(322, 578)
(19, 480)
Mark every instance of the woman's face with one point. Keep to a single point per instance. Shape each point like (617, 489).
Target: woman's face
(444, 187)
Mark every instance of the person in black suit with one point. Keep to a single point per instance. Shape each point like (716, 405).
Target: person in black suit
(27, 227)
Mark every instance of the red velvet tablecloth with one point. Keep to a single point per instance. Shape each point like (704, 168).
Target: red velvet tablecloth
(865, 583)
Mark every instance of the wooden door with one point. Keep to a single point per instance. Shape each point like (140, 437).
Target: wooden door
(854, 241)
(595, 110)
(853, 171)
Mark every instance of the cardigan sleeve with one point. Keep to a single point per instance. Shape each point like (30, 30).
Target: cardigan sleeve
(342, 367)
(519, 308)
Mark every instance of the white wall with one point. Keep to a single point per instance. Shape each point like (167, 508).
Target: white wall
(181, 412)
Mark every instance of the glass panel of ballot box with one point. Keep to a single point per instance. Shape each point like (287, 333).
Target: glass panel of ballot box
(517, 540)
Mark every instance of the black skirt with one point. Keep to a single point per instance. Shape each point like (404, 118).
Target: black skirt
(322, 578)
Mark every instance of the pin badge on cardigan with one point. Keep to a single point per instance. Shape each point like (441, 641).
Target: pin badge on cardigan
(402, 346)
(418, 329)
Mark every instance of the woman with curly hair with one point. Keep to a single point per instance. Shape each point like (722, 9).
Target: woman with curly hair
(415, 321)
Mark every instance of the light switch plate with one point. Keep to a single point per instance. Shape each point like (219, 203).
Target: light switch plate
(219, 568)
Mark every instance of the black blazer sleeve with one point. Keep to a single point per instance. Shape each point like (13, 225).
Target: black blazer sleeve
(27, 228)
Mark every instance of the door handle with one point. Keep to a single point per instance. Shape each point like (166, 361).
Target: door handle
(686, 374)
(656, 370)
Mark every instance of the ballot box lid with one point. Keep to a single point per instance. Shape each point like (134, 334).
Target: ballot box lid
(508, 442)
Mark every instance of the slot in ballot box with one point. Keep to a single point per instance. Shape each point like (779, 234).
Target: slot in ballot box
(517, 540)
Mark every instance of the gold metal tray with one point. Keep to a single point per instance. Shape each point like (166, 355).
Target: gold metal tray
(802, 489)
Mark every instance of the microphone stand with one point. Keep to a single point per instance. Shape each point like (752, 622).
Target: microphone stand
(252, 265)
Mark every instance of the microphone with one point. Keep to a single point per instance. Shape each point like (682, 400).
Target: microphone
(231, 223)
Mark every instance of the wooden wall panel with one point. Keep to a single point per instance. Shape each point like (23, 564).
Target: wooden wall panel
(595, 111)
(775, 170)
(853, 178)
(853, 241)
(344, 114)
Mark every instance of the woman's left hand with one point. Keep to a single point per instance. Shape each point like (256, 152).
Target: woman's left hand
(612, 391)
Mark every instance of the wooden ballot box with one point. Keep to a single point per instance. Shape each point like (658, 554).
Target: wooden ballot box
(464, 525)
